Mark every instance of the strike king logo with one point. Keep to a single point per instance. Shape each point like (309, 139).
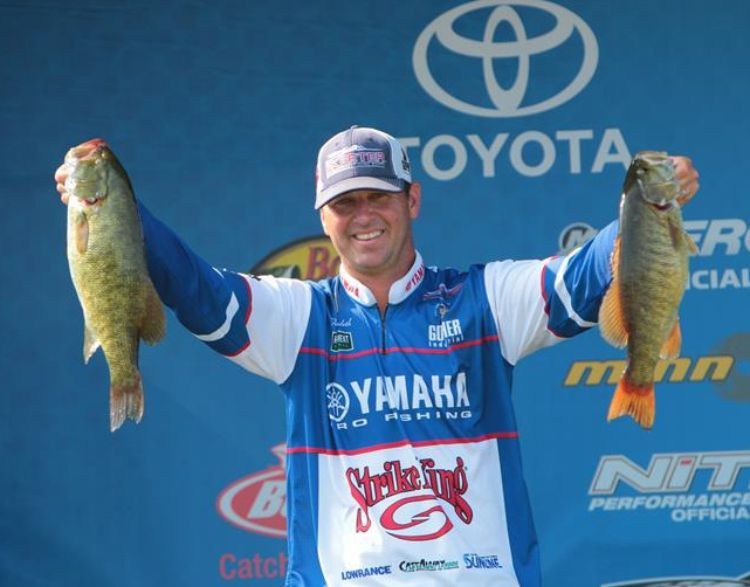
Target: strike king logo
(722, 258)
(673, 484)
(405, 488)
(311, 258)
(686, 581)
(257, 503)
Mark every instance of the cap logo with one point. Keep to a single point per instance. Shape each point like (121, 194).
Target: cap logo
(354, 156)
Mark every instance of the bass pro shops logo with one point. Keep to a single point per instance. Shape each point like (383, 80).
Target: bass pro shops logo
(428, 520)
(567, 34)
(307, 258)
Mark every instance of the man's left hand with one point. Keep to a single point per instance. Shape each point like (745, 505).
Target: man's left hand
(687, 176)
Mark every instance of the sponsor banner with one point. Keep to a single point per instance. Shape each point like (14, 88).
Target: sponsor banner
(682, 487)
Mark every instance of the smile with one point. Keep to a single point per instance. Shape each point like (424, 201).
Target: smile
(368, 236)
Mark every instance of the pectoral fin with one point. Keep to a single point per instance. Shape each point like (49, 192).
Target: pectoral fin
(671, 347)
(90, 343)
(153, 327)
(611, 317)
(692, 247)
(82, 233)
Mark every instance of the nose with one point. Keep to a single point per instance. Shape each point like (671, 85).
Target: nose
(363, 214)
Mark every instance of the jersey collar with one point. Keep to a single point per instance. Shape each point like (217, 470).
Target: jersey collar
(400, 289)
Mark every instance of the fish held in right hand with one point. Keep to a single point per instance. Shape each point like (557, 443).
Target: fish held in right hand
(650, 270)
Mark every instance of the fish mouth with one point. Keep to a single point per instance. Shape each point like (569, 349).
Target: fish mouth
(81, 180)
(90, 202)
(88, 149)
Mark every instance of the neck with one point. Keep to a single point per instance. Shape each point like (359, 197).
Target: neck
(380, 282)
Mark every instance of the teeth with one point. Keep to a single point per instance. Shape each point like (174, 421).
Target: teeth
(91, 200)
(368, 235)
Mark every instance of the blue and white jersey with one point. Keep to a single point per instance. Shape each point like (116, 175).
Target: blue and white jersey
(403, 464)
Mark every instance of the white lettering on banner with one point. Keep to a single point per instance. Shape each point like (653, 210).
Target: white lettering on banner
(667, 481)
(611, 150)
(729, 235)
(270, 501)
(725, 237)
(668, 472)
(720, 279)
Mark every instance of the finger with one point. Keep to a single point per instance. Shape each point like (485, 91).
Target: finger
(61, 173)
(684, 169)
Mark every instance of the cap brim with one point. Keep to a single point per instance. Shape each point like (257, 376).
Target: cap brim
(358, 183)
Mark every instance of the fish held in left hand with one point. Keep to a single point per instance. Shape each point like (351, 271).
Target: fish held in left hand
(107, 261)
(649, 274)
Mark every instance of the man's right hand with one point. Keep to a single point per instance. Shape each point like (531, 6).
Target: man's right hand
(60, 176)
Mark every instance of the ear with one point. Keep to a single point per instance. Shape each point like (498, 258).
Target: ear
(323, 221)
(415, 199)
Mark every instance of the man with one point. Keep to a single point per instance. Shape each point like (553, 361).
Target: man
(402, 445)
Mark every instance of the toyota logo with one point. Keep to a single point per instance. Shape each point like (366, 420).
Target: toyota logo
(508, 102)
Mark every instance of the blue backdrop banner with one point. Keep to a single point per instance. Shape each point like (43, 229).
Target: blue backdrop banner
(520, 118)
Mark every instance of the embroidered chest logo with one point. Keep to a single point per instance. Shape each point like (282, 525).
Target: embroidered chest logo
(447, 332)
(341, 341)
(414, 511)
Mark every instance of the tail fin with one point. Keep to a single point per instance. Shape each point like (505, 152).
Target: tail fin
(125, 401)
(634, 401)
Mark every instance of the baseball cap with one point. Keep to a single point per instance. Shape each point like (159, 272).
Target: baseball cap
(360, 158)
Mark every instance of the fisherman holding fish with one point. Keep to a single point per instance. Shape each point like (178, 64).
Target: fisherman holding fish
(401, 437)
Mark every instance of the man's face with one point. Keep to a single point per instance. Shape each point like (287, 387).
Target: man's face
(371, 230)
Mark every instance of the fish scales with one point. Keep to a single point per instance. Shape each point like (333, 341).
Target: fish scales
(649, 262)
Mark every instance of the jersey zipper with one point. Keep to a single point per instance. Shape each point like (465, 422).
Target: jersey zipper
(382, 331)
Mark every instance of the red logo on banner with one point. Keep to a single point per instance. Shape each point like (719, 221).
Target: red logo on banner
(257, 503)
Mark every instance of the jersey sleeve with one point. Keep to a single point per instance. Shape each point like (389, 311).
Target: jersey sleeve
(257, 322)
(538, 303)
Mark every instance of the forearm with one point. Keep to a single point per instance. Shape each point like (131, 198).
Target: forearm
(199, 295)
(576, 284)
